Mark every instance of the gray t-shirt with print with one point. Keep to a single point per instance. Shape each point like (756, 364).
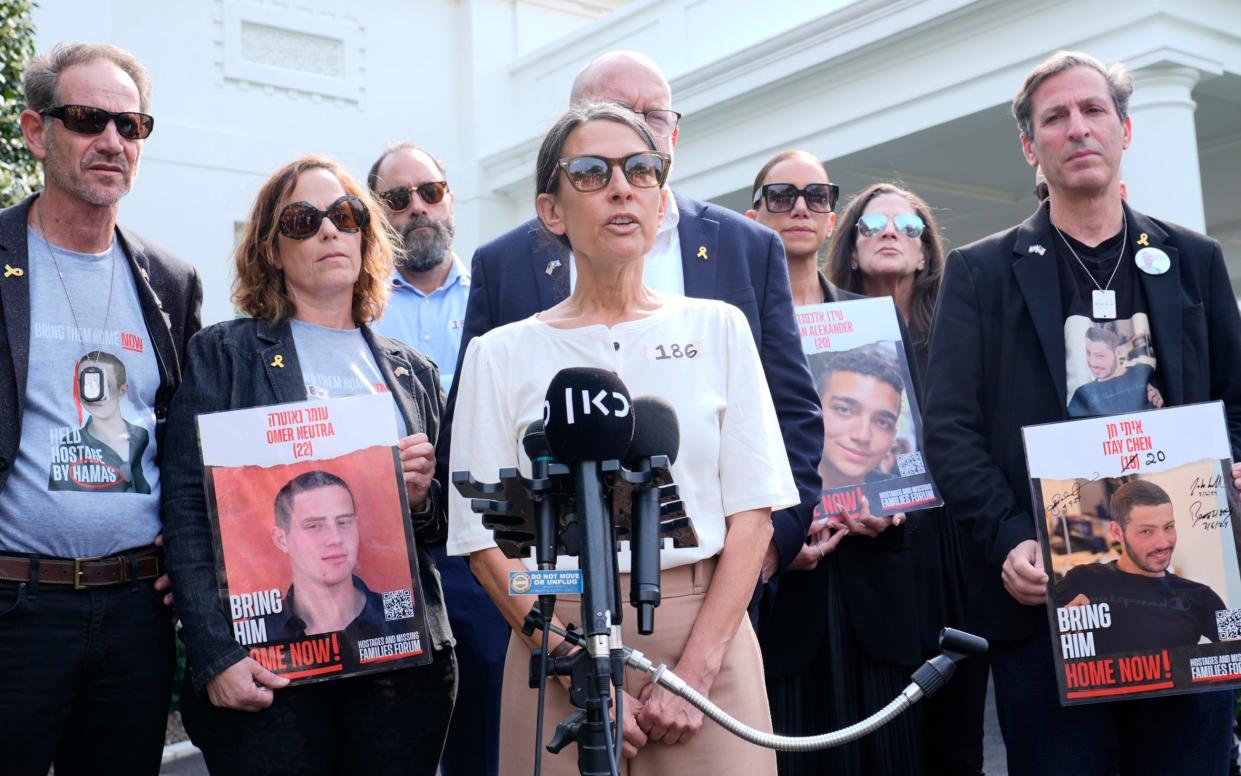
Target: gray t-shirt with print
(84, 482)
(338, 362)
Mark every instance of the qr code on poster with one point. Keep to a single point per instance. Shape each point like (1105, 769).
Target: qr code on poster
(398, 604)
(909, 464)
(1228, 622)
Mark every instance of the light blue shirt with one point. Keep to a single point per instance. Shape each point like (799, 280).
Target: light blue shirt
(429, 323)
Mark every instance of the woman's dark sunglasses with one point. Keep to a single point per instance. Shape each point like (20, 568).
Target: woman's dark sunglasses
(908, 224)
(301, 220)
(91, 121)
(643, 170)
(399, 198)
(782, 197)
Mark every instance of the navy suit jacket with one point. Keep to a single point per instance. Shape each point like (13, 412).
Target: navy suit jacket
(525, 271)
(997, 363)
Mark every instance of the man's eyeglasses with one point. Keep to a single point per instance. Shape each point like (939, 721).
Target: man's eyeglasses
(661, 121)
(782, 197)
(908, 224)
(643, 170)
(87, 120)
(398, 199)
(301, 220)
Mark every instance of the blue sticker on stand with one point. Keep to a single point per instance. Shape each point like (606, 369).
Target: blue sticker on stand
(544, 582)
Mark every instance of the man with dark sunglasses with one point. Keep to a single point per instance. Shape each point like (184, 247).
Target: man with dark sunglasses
(700, 250)
(430, 285)
(94, 320)
(430, 288)
(1005, 340)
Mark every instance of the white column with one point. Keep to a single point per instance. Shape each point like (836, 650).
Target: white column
(1160, 168)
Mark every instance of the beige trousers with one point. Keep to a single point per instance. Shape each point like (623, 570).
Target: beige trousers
(739, 689)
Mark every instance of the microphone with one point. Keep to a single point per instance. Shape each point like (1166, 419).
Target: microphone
(587, 415)
(656, 433)
(546, 514)
(588, 419)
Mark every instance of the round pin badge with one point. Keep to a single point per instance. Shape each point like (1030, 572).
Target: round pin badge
(520, 583)
(1152, 261)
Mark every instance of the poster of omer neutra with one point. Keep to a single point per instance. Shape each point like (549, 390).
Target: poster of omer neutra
(1135, 520)
(314, 548)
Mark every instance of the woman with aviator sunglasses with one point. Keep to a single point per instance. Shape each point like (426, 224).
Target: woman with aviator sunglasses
(311, 272)
(888, 244)
(599, 181)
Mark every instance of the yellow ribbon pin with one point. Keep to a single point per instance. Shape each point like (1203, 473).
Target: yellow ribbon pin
(14, 272)
(1144, 240)
(278, 361)
(702, 252)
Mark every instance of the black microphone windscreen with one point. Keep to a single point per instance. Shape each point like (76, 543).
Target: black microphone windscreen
(655, 430)
(587, 415)
(535, 442)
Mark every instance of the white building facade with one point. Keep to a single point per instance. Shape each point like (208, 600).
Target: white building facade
(910, 90)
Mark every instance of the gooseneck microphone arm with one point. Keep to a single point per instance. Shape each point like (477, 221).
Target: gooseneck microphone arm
(927, 680)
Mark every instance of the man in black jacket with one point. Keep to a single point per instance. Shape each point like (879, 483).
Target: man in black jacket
(1005, 340)
(86, 642)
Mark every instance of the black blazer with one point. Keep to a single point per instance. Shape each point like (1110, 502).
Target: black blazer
(725, 256)
(997, 363)
(230, 366)
(169, 292)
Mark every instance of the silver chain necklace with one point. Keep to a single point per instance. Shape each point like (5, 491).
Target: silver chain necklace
(1103, 298)
(51, 249)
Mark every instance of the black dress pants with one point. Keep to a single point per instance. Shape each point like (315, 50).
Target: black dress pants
(377, 724)
(85, 679)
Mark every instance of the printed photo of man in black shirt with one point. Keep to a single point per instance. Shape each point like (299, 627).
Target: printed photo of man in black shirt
(317, 527)
(1151, 608)
(1119, 385)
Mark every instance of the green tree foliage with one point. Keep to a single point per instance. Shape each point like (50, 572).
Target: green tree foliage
(19, 173)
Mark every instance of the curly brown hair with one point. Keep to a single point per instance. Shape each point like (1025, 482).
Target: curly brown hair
(258, 288)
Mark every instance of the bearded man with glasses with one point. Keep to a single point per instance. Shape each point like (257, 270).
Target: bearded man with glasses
(94, 319)
(430, 288)
(700, 250)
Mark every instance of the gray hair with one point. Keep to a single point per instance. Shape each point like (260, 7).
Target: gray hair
(1119, 83)
(372, 177)
(42, 79)
(546, 177)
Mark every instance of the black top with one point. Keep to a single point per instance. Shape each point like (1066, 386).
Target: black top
(1147, 613)
(1110, 265)
(369, 623)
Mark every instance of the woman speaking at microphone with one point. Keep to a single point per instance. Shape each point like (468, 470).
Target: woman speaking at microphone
(599, 183)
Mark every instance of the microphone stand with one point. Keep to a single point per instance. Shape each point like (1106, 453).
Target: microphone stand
(599, 606)
(522, 512)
